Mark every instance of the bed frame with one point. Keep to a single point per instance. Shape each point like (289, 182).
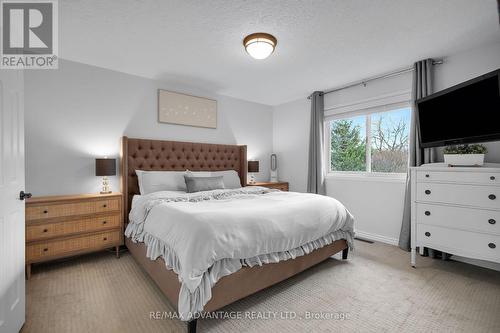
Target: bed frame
(144, 154)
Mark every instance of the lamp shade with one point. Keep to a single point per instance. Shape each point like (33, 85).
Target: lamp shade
(253, 166)
(105, 167)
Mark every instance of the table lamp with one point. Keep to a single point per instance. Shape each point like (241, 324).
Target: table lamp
(253, 167)
(105, 167)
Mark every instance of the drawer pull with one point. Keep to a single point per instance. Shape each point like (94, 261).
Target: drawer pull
(492, 245)
(427, 191)
(492, 177)
(105, 238)
(104, 222)
(45, 230)
(427, 213)
(428, 234)
(427, 176)
(45, 211)
(492, 197)
(492, 221)
(45, 249)
(104, 206)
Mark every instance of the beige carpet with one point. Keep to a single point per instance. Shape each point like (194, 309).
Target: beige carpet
(376, 289)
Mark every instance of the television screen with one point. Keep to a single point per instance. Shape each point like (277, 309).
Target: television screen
(466, 113)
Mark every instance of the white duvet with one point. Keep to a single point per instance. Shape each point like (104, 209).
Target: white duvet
(206, 235)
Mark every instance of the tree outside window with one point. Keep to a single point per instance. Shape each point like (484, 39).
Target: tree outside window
(376, 142)
(348, 145)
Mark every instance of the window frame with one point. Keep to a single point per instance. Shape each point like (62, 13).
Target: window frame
(368, 174)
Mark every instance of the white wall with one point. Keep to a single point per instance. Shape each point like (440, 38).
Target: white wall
(291, 141)
(467, 65)
(377, 205)
(79, 112)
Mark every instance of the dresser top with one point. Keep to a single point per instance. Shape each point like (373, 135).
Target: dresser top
(72, 197)
(487, 167)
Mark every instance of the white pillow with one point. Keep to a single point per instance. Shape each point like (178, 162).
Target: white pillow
(155, 181)
(190, 173)
(229, 177)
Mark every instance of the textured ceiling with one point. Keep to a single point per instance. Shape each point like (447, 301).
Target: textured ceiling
(321, 44)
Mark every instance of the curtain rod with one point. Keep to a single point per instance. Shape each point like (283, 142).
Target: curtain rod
(373, 78)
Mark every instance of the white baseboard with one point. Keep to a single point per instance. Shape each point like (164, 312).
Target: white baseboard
(377, 238)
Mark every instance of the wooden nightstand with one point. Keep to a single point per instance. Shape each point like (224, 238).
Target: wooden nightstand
(63, 226)
(283, 186)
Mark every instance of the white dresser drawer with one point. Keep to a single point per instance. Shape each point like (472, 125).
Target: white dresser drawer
(480, 220)
(459, 242)
(468, 195)
(486, 178)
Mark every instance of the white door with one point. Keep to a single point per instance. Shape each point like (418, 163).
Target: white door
(12, 296)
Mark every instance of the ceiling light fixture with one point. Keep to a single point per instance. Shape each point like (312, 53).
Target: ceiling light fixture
(260, 45)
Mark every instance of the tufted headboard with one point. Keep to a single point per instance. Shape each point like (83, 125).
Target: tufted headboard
(157, 155)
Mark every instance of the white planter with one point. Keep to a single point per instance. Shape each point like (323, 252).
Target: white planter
(464, 159)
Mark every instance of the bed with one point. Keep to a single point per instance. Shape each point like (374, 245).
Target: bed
(244, 280)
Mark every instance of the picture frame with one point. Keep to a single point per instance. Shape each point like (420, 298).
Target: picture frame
(182, 109)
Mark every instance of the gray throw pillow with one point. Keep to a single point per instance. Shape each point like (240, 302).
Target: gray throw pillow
(197, 184)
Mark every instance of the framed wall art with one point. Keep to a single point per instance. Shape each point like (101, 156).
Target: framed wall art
(182, 109)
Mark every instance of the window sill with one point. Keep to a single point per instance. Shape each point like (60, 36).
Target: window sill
(370, 177)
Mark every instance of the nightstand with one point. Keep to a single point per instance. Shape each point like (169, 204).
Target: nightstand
(283, 186)
(64, 226)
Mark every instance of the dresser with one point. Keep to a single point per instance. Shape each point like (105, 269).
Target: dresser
(456, 210)
(63, 226)
(282, 186)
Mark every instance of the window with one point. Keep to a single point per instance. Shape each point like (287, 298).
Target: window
(375, 142)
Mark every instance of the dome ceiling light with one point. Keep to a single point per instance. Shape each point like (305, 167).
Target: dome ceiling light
(260, 45)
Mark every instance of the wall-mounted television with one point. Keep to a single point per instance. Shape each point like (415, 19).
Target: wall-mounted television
(466, 113)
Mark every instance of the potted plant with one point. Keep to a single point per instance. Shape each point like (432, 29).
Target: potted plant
(464, 155)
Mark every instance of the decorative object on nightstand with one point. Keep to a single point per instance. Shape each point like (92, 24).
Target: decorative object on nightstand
(64, 226)
(282, 186)
(274, 168)
(253, 167)
(105, 167)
